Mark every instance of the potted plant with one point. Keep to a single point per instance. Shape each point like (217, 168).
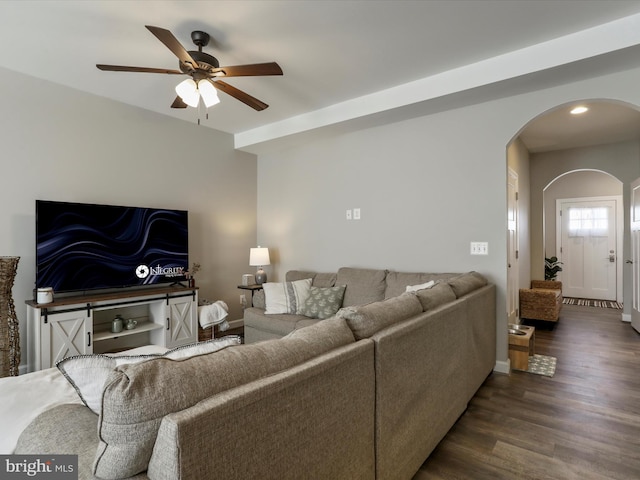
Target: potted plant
(551, 268)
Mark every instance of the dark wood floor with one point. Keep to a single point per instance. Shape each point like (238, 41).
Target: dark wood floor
(583, 423)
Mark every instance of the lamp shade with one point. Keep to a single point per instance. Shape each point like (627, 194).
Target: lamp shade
(208, 93)
(188, 92)
(259, 257)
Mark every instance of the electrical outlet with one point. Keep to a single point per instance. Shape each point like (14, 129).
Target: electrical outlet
(243, 300)
(356, 214)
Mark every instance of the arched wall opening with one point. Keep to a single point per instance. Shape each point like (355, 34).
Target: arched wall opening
(608, 163)
(582, 185)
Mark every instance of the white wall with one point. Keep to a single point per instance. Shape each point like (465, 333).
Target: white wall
(426, 186)
(61, 144)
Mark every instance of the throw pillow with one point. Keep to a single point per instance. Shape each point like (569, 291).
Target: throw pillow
(422, 286)
(88, 373)
(323, 302)
(286, 297)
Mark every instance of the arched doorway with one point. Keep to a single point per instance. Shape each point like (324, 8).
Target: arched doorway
(556, 143)
(583, 226)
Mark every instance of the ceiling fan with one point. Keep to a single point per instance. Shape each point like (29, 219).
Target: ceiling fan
(204, 71)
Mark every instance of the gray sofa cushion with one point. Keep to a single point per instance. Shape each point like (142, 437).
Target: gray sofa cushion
(138, 396)
(68, 429)
(318, 279)
(363, 285)
(279, 324)
(366, 320)
(466, 283)
(435, 296)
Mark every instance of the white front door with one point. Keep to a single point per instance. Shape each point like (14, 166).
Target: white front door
(588, 246)
(512, 246)
(635, 253)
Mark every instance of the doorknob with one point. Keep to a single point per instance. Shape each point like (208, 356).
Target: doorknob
(629, 261)
(612, 258)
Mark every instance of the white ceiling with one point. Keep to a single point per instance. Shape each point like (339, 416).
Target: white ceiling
(332, 52)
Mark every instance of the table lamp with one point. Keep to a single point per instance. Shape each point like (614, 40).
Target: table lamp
(259, 257)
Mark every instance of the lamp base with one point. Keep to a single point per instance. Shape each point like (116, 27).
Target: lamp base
(261, 277)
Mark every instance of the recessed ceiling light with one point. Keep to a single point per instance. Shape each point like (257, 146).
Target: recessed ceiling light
(578, 110)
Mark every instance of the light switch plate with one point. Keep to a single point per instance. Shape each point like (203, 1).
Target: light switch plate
(479, 248)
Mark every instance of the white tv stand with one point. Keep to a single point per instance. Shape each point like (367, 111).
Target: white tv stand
(80, 325)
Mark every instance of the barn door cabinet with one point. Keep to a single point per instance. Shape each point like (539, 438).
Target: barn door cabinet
(80, 325)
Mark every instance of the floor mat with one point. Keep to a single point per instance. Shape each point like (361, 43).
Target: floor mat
(542, 365)
(585, 302)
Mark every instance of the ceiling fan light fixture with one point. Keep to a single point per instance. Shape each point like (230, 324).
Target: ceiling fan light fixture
(208, 93)
(188, 92)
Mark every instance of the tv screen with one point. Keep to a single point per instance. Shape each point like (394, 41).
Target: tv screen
(86, 246)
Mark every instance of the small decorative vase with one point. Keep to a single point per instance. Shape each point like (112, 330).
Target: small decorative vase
(9, 327)
(117, 324)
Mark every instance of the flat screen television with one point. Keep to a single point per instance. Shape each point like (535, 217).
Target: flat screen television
(83, 246)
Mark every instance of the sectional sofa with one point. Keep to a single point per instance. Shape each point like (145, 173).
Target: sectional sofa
(366, 393)
(433, 349)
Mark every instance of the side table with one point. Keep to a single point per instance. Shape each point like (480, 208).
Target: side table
(252, 288)
(521, 345)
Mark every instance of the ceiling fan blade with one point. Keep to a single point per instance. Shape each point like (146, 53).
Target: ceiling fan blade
(172, 43)
(178, 103)
(120, 68)
(240, 95)
(251, 70)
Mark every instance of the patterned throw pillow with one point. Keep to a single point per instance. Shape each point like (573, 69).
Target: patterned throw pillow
(286, 297)
(323, 302)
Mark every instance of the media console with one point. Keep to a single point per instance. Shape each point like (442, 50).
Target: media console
(80, 325)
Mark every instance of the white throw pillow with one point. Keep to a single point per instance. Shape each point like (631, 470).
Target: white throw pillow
(422, 286)
(286, 297)
(88, 373)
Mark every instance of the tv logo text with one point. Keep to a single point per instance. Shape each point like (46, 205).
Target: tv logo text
(143, 271)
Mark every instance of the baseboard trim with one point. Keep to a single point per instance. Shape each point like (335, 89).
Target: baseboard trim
(503, 366)
(626, 317)
(236, 323)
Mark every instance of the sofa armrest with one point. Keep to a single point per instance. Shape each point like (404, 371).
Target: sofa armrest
(258, 300)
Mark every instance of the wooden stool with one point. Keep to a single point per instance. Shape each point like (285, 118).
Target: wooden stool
(521, 346)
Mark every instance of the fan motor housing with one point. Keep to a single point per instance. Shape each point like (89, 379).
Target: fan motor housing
(205, 61)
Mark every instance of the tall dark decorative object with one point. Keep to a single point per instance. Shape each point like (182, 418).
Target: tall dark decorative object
(9, 328)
